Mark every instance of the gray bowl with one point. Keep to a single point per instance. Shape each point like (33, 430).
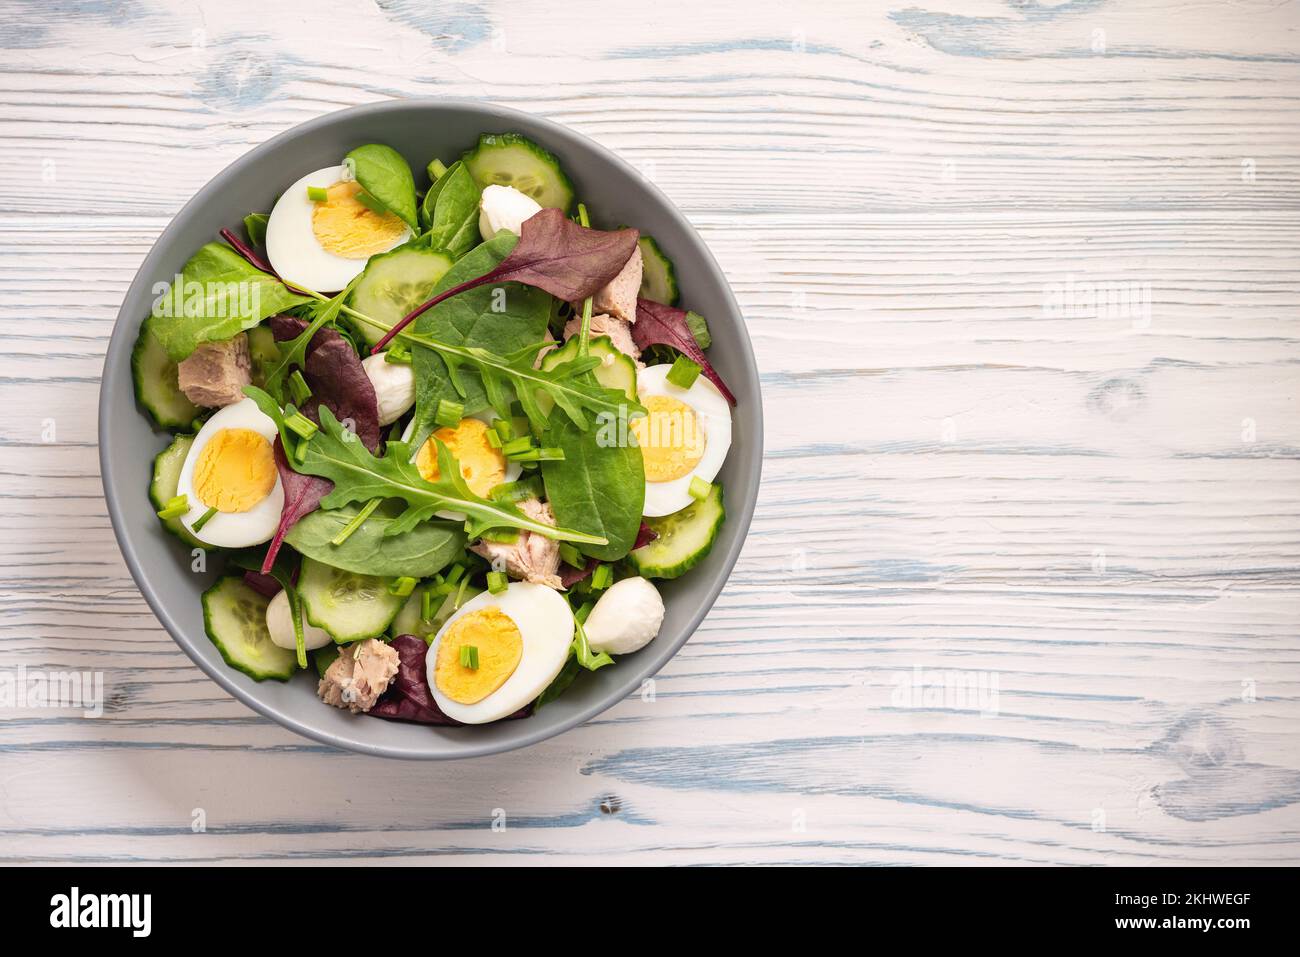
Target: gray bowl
(420, 129)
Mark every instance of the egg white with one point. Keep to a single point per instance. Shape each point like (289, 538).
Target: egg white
(545, 625)
(714, 415)
(232, 529)
(513, 469)
(293, 248)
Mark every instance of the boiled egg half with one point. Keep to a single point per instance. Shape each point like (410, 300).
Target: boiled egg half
(499, 652)
(481, 466)
(324, 243)
(230, 468)
(685, 434)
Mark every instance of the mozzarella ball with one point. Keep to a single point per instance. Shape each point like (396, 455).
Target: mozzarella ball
(394, 384)
(279, 622)
(626, 618)
(504, 207)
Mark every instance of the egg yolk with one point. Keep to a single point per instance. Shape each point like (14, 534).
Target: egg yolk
(347, 228)
(483, 467)
(235, 470)
(500, 647)
(670, 436)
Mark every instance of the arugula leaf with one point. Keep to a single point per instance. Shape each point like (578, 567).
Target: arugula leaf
(359, 476)
(385, 175)
(217, 296)
(450, 210)
(598, 487)
(423, 551)
(580, 656)
(553, 253)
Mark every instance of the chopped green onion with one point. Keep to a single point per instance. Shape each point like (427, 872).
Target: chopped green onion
(460, 593)
(493, 439)
(402, 587)
(699, 488)
(454, 573)
(469, 657)
(516, 446)
(196, 425)
(538, 455)
(302, 426)
(426, 604)
(203, 519)
(570, 555)
(582, 613)
(370, 203)
(501, 536)
(298, 387)
(300, 452)
(437, 169)
(175, 508)
(398, 354)
(497, 582)
(357, 521)
(602, 577)
(503, 428)
(684, 372)
(583, 220)
(449, 413)
(317, 195)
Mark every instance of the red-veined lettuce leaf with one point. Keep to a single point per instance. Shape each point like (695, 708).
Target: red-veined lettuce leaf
(660, 325)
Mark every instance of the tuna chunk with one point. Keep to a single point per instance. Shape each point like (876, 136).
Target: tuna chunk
(532, 557)
(618, 298)
(358, 676)
(214, 374)
(619, 332)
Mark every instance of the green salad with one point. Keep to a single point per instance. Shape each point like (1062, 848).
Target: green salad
(446, 438)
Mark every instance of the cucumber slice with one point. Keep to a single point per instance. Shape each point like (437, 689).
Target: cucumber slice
(156, 386)
(263, 351)
(347, 605)
(658, 278)
(393, 284)
(685, 537)
(409, 622)
(508, 159)
(166, 476)
(235, 619)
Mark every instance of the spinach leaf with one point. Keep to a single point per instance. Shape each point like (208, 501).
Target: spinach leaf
(598, 487)
(421, 552)
(255, 226)
(217, 295)
(471, 320)
(450, 211)
(385, 175)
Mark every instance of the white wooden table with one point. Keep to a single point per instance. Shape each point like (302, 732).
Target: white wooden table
(973, 474)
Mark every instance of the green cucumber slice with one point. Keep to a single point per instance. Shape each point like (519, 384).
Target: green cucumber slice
(685, 537)
(234, 617)
(508, 159)
(616, 370)
(156, 385)
(166, 476)
(409, 622)
(393, 284)
(347, 605)
(658, 278)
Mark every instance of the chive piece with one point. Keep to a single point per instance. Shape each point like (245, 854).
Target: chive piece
(684, 372)
(581, 614)
(437, 169)
(699, 488)
(299, 388)
(370, 203)
(538, 455)
(497, 582)
(302, 426)
(570, 555)
(494, 440)
(203, 519)
(300, 452)
(699, 328)
(460, 593)
(196, 425)
(175, 508)
(516, 446)
(402, 587)
(501, 536)
(357, 521)
(469, 657)
(449, 413)
(454, 573)
(398, 354)
(426, 604)
(602, 577)
(582, 216)
(317, 195)
(503, 428)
